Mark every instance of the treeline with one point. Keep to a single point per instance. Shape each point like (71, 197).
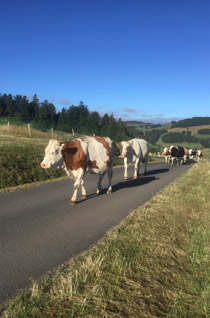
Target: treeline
(189, 122)
(204, 131)
(182, 137)
(43, 115)
(153, 135)
(150, 136)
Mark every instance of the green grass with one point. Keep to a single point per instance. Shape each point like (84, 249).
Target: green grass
(202, 136)
(20, 162)
(181, 144)
(156, 263)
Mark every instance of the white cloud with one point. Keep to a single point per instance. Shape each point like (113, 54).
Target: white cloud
(64, 102)
(130, 110)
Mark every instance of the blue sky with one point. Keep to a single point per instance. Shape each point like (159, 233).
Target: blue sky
(143, 60)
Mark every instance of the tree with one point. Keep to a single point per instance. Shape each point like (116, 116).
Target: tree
(2, 106)
(34, 107)
(22, 107)
(94, 123)
(10, 105)
(47, 115)
(104, 125)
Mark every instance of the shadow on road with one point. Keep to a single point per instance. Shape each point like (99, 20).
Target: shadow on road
(129, 183)
(155, 171)
(133, 183)
(122, 185)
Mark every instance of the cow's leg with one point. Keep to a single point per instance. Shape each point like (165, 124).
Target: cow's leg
(125, 168)
(145, 166)
(110, 173)
(136, 168)
(77, 183)
(84, 194)
(98, 187)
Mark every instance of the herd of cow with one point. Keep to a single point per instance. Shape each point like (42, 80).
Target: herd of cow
(180, 155)
(96, 155)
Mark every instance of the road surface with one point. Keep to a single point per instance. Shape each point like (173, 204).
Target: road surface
(39, 230)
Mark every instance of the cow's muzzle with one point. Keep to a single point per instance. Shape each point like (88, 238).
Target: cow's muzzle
(43, 165)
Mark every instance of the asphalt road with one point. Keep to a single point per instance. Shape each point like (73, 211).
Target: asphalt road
(39, 230)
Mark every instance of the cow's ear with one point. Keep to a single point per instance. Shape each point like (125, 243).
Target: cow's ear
(71, 150)
(66, 147)
(62, 145)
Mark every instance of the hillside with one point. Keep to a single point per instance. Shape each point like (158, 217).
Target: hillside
(162, 135)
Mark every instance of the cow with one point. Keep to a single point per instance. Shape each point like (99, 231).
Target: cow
(186, 157)
(167, 155)
(135, 150)
(80, 156)
(192, 154)
(177, 153)
(199, 154)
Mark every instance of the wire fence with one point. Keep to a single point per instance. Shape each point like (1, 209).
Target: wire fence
(28, 131)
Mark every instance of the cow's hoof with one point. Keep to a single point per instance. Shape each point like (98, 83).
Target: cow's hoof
(125, 178)
(72, 202)
(84, 196)
(109, 191)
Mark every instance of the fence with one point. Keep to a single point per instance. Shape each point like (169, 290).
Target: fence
(28, 131)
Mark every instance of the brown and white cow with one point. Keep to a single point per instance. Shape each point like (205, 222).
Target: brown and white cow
(82, 155)
(167, 154)
(186, 157)
(192, 154)
(174, 153)
(199, 154)
(135, 150)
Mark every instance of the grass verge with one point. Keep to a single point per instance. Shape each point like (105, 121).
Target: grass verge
(156, 263)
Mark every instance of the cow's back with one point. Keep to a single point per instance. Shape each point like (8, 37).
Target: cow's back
(177, 151)
(140, 147)
(100, 153)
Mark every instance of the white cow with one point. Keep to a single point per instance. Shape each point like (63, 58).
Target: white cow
(135, 150)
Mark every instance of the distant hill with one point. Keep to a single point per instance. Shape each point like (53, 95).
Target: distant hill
(189, 122)
(135, 122)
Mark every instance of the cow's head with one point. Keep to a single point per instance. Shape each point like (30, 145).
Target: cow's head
(192, 152)
(125, 149)
(53, 155)
(166, 151)
(199, 153)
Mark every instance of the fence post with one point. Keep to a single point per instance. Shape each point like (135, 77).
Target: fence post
(29, 130)
(73, 132)
(52, 133)
(8, 127)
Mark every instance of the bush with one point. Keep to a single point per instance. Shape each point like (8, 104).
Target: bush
(204, 131)
(179, 137)
(21, 164)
